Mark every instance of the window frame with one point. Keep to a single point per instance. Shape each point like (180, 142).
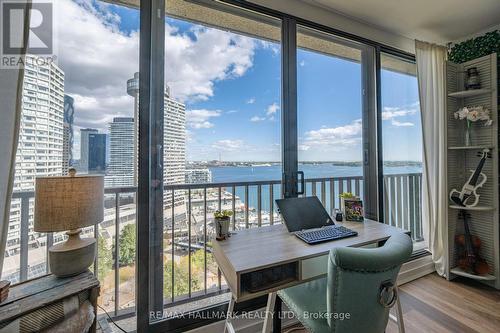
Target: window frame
(152, 59)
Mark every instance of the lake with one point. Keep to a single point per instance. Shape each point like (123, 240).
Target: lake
(273, 172)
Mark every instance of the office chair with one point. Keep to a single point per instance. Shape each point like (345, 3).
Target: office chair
(361, 283)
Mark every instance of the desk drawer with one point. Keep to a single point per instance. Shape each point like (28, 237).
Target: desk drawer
(314, 267)
(268, 278)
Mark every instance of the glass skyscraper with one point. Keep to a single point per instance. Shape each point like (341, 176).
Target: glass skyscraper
(68, 138)
(121, 153)
(97, 154)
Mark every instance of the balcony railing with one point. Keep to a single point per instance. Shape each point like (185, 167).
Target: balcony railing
(188, 229)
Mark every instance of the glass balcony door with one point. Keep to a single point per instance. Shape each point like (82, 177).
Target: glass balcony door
(218, 147)
(402, 146)
(333, 115)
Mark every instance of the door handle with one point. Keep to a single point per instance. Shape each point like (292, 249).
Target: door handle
(302, 181)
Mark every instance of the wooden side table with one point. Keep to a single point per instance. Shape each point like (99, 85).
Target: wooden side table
(27, 297)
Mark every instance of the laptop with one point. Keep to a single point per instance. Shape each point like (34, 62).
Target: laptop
(307, 219)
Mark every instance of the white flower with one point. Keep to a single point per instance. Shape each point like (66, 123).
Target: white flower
(474, 114)
(461, 113)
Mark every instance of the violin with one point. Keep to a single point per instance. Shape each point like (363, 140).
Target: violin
(469, 246)
(475, 181)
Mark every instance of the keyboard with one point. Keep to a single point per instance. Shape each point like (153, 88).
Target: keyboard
(325, 234)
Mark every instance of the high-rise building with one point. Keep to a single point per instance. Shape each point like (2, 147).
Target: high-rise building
(174, 137)
(92, 152)
(97, 154)
(198, 176)
(120, 170)
(83, 166)
(40, 147)
(174, 140)
(69, 115)
(133, 90)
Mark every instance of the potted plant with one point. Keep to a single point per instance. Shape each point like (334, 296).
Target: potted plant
(222, 221)
(343, 197)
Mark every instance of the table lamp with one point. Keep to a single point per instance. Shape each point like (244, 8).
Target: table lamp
(68, 204)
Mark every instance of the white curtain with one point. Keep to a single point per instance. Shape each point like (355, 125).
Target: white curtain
(431, 62)
(11, 85)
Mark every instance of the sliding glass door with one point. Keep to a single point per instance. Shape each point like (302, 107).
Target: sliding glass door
(331, 117)
(217, 146)
(222, 132)
(402, 146)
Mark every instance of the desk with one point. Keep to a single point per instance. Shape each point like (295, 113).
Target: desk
(251, 254)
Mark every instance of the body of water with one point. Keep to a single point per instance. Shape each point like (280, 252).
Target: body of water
(273, 172)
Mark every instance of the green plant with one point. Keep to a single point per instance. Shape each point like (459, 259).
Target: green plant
(475, 47)
(223, 214)
(181, 274)
(127, 245)
(347, 195)
(104, 259)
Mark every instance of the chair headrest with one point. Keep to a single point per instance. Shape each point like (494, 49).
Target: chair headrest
(395, 252)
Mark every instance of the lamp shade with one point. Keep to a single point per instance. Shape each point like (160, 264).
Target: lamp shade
(68, 203)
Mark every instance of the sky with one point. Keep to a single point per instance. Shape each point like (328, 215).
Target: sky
(231, 87)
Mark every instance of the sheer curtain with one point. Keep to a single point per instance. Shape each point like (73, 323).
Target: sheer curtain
(431, 62)
(11, 86)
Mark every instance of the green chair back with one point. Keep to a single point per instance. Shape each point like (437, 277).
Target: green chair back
(355, 279)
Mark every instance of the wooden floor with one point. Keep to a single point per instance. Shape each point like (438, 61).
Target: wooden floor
(432, 304)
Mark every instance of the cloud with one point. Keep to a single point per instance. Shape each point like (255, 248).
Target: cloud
(274, 47)
(272, 109)
(302, 63)
(401, 124)
(270, 112)
(331, 138)
(257, 119)
(390, 113)
(200, 118)
(198, 58)
(394, 112)
(98, 59)
(228, 145)
(190, 137)
(251, 100)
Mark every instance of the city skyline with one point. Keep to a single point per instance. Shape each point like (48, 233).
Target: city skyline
(226, 112)
(227, 104)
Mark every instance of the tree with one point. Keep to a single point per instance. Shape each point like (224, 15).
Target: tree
(127, 245)
(104, 258)
(181, 274)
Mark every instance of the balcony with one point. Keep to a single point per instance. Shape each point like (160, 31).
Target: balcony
(191, 276)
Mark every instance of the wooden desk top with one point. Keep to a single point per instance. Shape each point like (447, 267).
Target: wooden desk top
(253, 249)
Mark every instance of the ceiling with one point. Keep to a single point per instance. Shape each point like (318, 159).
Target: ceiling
(437, 21)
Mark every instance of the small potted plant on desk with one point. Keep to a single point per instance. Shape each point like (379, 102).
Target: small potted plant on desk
(352, 207)
(222, 221)
(343, 197)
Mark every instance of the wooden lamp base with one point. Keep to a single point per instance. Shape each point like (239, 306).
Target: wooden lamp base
(73, 256)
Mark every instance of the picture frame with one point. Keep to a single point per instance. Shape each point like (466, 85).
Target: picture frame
(354, 210)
